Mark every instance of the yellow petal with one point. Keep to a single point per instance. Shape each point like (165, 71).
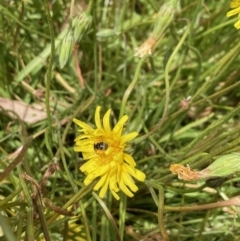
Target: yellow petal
(99, 172)
(129, 159)
(128, 137)
(85, 142)
(87, 181)
(235, 4)
(118, 173)
(106, 121)
(115, 194)
(233, 12)
(110, 150)
(113, 184)
(100, 182)
(104, 188)
(83, 136)
(89, 155)
(117, 130)
(237, 24)
(129, 182)
(120, 181)
(135, 173)
(89, 166)
(82, 124)
(124, 188)
(80, 148)
(97, 118)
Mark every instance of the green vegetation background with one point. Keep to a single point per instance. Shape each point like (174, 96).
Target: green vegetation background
(205, 67)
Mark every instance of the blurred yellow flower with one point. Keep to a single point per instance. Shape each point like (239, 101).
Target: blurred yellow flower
(236, 5)
(73, 229)
(103, 148)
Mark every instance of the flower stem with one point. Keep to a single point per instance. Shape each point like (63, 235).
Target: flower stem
(130, 87)
(122, 218)
(72, 8)
(90, 5)
(208, 130)
(160, 214)
(231, 202)
(49, 76)
(167, 86)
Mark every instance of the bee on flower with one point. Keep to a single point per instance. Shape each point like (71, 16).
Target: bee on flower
(103, 149)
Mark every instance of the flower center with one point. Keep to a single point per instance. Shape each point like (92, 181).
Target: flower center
(109, 152)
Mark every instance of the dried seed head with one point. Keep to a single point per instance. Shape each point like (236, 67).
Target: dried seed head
(146, 48)
(222, 167)
(185, 173)
(164, 18)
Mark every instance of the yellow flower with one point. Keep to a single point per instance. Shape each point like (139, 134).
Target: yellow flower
(75, 230)
(236, 5)
(103, 148)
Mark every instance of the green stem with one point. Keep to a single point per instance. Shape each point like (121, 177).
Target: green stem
(212, 127)
(29, 209)
(94, 220)
(231, 202)
(85, 221)
(217, 151)
(90, 6)
(160, 214)
(70, 178)
(40, 212)
(77, 196)
(122, 218)
(49, 74)
(9, 198)
(109, 216)
(177, 190)
(6, 229)
(130, 87)
(17, 160)
(72, 8)
(167, 87)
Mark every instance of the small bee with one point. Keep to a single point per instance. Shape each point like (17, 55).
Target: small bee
(100, 146)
